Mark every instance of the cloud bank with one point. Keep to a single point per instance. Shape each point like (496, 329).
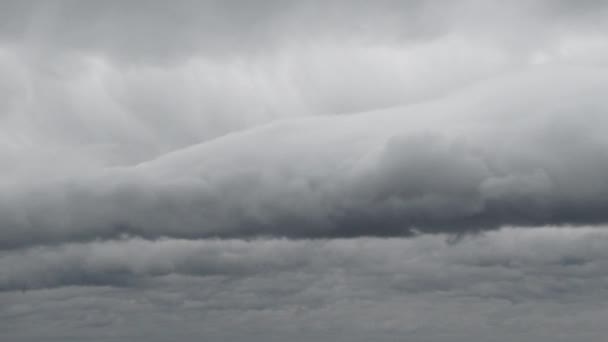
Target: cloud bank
(525, 149)
(230, 119)
(295, 171)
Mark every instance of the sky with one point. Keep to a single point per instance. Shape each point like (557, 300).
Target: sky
(272, 170)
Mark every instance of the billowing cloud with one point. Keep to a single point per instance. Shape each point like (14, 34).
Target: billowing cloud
(289, 170)
(522, 150)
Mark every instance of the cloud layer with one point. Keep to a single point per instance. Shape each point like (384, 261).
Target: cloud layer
(294, 171)
(420, 264)
(527, 149)
(286, 119)
(505, 285)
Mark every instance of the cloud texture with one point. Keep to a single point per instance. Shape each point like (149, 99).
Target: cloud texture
(526, 149)
(320, 170)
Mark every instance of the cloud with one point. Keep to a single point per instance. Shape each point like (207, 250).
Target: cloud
(511, 283)
(90, 112)
(296, 171)
(425, 263)
(157, 32)
(526, 150)
(91, 85)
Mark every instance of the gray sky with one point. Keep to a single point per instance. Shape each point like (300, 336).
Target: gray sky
(290, 170)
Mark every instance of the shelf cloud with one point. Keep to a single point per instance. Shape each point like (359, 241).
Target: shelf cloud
(527, 149)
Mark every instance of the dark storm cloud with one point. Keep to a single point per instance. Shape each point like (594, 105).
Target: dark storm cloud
(157, 158)
(525, 150)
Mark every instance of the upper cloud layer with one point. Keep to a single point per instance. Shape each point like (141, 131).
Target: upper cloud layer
(157, 31)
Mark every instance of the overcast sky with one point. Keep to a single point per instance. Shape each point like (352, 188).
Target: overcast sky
(303, 170)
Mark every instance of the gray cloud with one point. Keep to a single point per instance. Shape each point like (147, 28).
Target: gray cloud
(524, 150)
(510, 284)
(156, 31)
(90, 84)
(420, 264)
(296, 171)
(88, 111)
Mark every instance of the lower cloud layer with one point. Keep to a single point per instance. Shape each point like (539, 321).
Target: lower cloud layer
(511, 283)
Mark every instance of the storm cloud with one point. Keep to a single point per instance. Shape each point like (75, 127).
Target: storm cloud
(303, 170)
(525, 149)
